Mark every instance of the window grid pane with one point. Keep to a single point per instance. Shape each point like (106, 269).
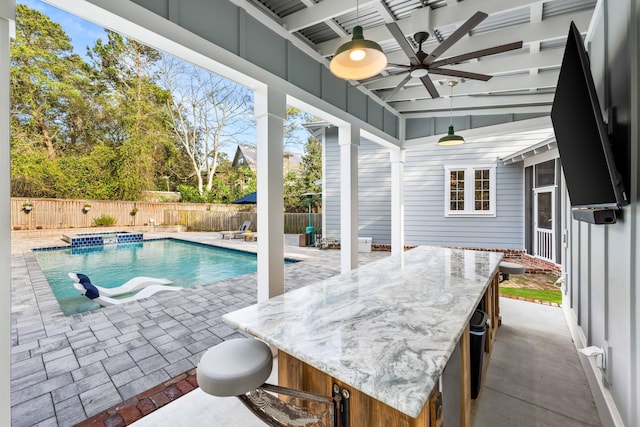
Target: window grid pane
(545, 174)
(456, 193)
(482, 190)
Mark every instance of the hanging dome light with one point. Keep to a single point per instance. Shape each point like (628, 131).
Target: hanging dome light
(451, 138)
(358, 59)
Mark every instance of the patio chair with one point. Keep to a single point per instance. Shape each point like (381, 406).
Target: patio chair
(91, 291)
(132, 285)
(231, 234)
(251, 236)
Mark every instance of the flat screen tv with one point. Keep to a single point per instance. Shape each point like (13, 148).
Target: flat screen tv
(581, 134)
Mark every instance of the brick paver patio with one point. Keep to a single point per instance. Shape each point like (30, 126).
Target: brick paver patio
(65, 370)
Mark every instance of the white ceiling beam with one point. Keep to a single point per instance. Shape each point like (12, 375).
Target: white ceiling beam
(321, 12)
(535, 16)
(495, 85)
(341, 32)
(500, 64)
(535, 12)
(478, 104)
(382, 8)
(524, 109)
(454, 14)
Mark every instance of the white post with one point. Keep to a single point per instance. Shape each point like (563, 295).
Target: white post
(349, 140)
(397, 200)
(323, 139)
(270, 108)
(7, 22)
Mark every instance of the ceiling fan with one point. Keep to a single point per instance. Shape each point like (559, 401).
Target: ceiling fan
(422, 64)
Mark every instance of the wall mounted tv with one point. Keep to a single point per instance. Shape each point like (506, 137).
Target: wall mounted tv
(595, 187)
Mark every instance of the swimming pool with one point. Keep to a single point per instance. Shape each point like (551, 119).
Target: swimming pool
(187, 264)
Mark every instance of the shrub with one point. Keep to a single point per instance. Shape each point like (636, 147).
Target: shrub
(104, 221)
(190, 194)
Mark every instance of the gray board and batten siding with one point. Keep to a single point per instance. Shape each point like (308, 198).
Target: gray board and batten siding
(232, 28)
(424, 186)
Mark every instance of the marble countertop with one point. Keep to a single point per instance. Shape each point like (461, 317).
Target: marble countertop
(387, 328)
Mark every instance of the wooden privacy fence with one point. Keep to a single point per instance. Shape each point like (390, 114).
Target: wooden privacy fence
(294, 223)
(64, 213)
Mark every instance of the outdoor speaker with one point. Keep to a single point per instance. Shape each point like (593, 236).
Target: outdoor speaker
(595, 216)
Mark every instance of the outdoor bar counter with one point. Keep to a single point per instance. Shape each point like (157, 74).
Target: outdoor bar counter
(384, 331)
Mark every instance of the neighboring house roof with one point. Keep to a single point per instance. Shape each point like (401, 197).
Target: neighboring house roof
(247, 155)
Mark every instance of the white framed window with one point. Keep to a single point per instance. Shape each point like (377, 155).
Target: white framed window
(470, 190)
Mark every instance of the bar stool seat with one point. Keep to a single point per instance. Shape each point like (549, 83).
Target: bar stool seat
(507, 268)
(234, 367)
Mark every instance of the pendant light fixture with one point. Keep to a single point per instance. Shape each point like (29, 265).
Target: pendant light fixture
(451, 138)
(358, 59)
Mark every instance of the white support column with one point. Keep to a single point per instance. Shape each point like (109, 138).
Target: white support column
(323, 140)
(397, 200)
(270, 107)
(7, 28)
(349, 140)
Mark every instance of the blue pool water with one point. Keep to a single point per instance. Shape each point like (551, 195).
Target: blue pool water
(186, 264)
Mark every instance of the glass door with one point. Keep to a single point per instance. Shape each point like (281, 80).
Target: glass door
(544, 208)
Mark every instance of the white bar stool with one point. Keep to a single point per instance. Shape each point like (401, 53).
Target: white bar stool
(240, 367)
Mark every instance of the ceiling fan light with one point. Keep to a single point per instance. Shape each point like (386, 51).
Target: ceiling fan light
(418, 73)
(450, 139)
(358, 59)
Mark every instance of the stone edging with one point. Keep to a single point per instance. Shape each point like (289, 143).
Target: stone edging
(135, 408)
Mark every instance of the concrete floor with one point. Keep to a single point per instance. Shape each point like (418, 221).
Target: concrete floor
(534, 379)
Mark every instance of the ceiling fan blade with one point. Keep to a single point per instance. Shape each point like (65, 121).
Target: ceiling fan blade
(396, 32)
(477, 54)
(469, 25)
(397, 88)
(461, 74)
(391, 65)
(378, 77)
(431, 88)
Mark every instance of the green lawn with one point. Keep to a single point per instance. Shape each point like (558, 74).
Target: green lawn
(541, 295)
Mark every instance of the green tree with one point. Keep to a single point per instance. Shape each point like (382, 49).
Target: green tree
(47, 78)
(47, 105)
(140, 134)
(305, 180)
(294, 119)
(207, 113)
